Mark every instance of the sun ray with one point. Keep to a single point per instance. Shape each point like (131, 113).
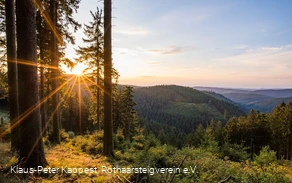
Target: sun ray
(22, 116)
(70, 88)
(94, 83)
(87, 87)
(29, 63)
(48, 20)
(79, 103)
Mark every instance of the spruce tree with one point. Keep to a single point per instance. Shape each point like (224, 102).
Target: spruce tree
(31, 145)
(108, 145)
(12, 71)
(91, 55)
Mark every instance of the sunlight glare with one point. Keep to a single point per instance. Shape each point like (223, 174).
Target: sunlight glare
(78, 69)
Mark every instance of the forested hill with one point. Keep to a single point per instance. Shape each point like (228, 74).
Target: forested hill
(179, 109)
(247, 99)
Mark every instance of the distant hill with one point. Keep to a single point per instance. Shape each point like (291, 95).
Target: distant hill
(222, 90)
(247, 97)
(181, 107)
(277, 93)
(263, 100)
(219, 96)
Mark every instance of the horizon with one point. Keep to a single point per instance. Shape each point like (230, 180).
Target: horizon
(219, 87)
(234, 44)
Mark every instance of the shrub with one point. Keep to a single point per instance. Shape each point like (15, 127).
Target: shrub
(64, 136)
(234, 152)
(266, 156)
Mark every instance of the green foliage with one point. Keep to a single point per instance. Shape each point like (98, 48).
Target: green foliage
(88, 143)
(125, 116)
(234, 152)
(178, 111)
(64, 136)
(266, 156)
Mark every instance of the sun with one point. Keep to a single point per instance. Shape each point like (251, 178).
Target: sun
(77, 70)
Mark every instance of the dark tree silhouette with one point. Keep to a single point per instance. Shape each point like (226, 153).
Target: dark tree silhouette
(31, 146)
(54, 74)
(91, 55)
(12, 71)
(108, 118)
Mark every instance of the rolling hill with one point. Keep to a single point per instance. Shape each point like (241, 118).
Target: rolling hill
(180, 109)
(263, 100)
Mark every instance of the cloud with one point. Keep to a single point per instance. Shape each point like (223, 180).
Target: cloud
(261, 62)
(286, 47)
(240, 46)
(170, 50)
(125, 51)
(133, 32)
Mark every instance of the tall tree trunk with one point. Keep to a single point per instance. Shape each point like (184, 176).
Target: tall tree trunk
(42, 77)
(31, 146)
(79, 108)
(12, 71)
(54, 74)
(98, 83)
(108, 118)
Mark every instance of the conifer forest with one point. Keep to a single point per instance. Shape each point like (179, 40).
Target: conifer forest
(138, 91)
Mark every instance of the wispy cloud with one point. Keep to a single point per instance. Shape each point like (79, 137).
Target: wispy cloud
(240, 46)
(286, 47)
(133, 32)
(125, 51)
(260, 62)
(171, 50)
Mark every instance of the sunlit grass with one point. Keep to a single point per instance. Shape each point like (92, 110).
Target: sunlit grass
(65, 155)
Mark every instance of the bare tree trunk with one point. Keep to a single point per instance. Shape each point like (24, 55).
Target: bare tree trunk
(42, 77)
(54, 75)
(31, 146)
(79, 108)
(98, 85)
(12, 71)
(108, 118)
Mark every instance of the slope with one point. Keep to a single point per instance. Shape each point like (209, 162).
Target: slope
(180, 109)
(263, 100)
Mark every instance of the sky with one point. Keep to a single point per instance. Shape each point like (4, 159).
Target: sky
(221, 43)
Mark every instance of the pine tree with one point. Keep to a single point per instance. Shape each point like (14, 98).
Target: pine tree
(54, 73)
(53, 34)
(31, 145)
(91, 55)
(2, 25)
(42, 42)
(125, 116)
(12, 71)
(108, 118)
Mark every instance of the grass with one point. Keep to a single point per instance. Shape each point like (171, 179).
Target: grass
(78, 152)
(64, 155)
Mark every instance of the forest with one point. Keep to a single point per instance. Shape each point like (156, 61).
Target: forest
(86, 127)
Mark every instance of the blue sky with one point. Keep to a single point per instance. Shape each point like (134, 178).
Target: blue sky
(228, 43)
